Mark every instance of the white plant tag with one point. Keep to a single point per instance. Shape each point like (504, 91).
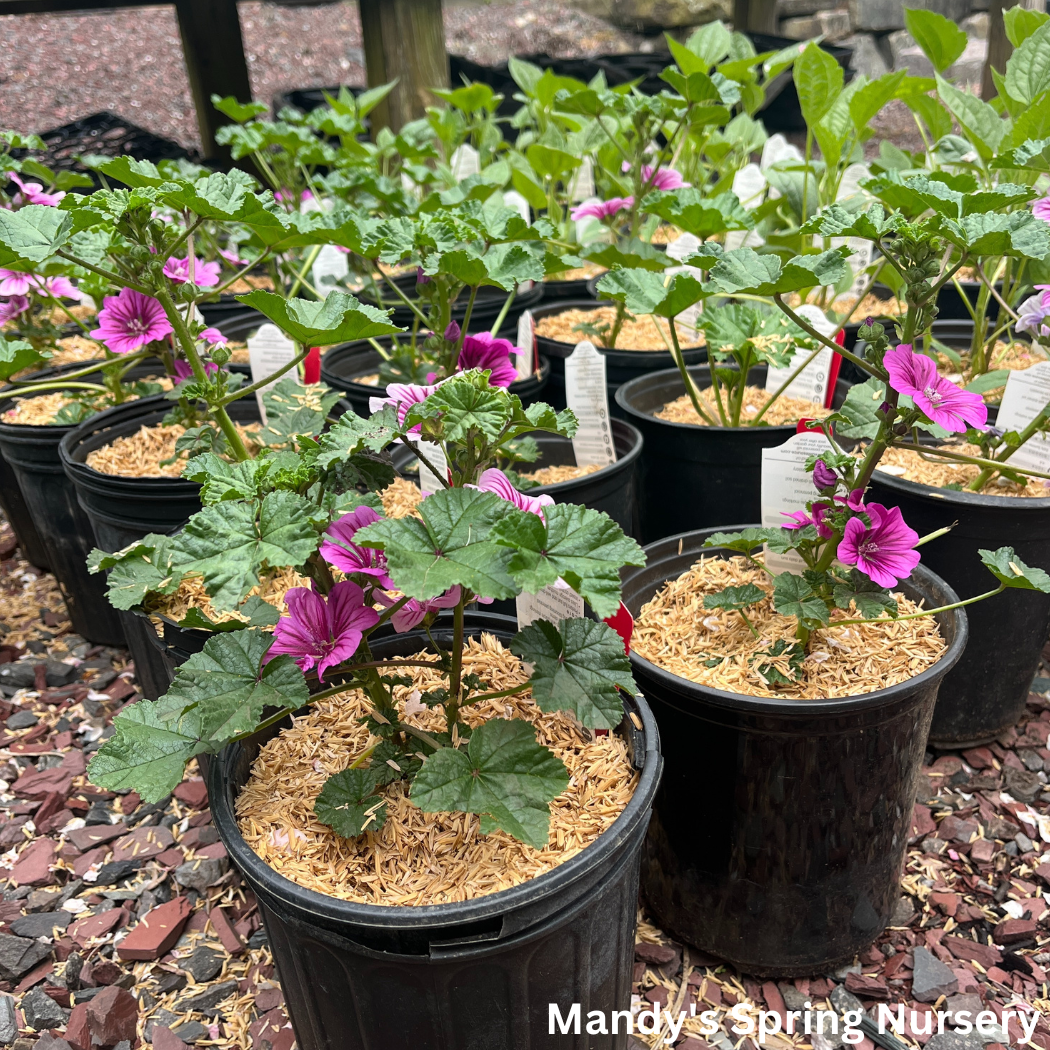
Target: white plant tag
(786, 487)
(316, 204)
(268, 349)
(682, 248)
(556, 602)
(811, 384)
(1026, 395)
(466, 161)
(776, 149)
(526, 345)
(744, 239)
(749, 185)
(588, 397)
(849, 184)
(581, 185)
(409, 185)
(863, 253)
(435, 454)
(513, 199)
(330, 267)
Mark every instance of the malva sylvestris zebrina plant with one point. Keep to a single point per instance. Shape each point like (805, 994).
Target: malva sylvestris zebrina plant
(477, 539)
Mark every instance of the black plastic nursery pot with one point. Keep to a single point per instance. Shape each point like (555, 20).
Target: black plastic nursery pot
(20, 518)
(613, 489)
(121, 510)
(621, 366)
(577, 288)
(488, 304)
(342, 368)
(476, 975)
(952, 307)
(985, 693)
(780, 826)
(695, 476)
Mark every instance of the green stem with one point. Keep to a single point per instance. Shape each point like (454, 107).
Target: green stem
(456, 671)
(405, 299)
(687, 379)
(65, 309)
(503, 312)
(108, 274)
(86, 371)
(426, 462)
(923, 612)
(272, 377)
(240, 273)
(503, 692)
(57, 384)
(787, 382)
(976, 461)
(808, 328)
(300, 276)
(189, 347)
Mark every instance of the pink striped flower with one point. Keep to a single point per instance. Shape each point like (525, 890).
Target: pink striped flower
(948, 406)
(205, 274)
(885, 550)
(130, 320)
(602, 209)
(33, 193)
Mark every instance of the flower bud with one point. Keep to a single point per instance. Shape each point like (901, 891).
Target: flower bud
(823, 476)
(452, 332)
(421, 277)
(221, 354)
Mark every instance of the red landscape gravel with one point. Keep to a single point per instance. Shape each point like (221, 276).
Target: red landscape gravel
(124, 921)
(60, 67)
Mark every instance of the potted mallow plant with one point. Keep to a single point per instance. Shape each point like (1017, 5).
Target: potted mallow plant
(457, 758)
(811, 667)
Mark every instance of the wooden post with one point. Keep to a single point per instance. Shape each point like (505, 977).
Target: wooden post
(215, 63)
(403, 40)
(755, 16)
(999, 47)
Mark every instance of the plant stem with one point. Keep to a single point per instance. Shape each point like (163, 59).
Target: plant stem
(426, 462)
(960, 457)
(810, 330)
(273, 376)
(108, 274)
(503, 312)
(502, 692)
(456, 671)
(787, 382)
(690, 386)
(189, 347)
(923, 612)
(405, 299)
(300, 276)
(86, 371)
(240, 273)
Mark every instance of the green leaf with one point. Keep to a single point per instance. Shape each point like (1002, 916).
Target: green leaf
(1018, 233)
(551, 163)
(868, 100)
(871, 600)
(744, 541)
(579, 666)
(339, 318)
(744, 270)
(351, 434)
(238, 111)
(349, 805)
(294, 410)
(860, 410)
(31, 235)
(136, 571)
(231, 543)
(694, 213)
(988, 381)
(222, 480)
(941, 40)
(1007, 568)
(733, 599)
(793, 596)
(505, 776)
(260, 614)
(16, 355)
(979, 121)
(131, 172)
(584, 547)
(1032, 153)
(644, 292)
(793, 652)
(711, 42)
(223, 689)
(1028, 68)
(145, 754)
(450, 544)
(465, 402)
(1021, 23)
(818, 80)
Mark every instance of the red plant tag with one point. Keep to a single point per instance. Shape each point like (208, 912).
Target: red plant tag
(622, 622)
(312, 366)
(833, 370)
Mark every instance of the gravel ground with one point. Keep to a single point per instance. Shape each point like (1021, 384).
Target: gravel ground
(60, 67)
(971, 930)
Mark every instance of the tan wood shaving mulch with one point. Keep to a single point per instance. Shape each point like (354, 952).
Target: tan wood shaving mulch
(637, 333)
(580, 273)
(401, 498)
(665, 234)
(372, 379)
(142, 454)
(938, 472)
(192, 595)
(248, 283)
(555, 475)
(870, 306)
(675, 632)
(423, 858)
(38, 411)
(784, 409)
(238, 352)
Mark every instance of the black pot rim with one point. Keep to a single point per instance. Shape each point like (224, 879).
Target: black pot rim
(964, 499)
(408, 917)
(765, 705)
(624, 390)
